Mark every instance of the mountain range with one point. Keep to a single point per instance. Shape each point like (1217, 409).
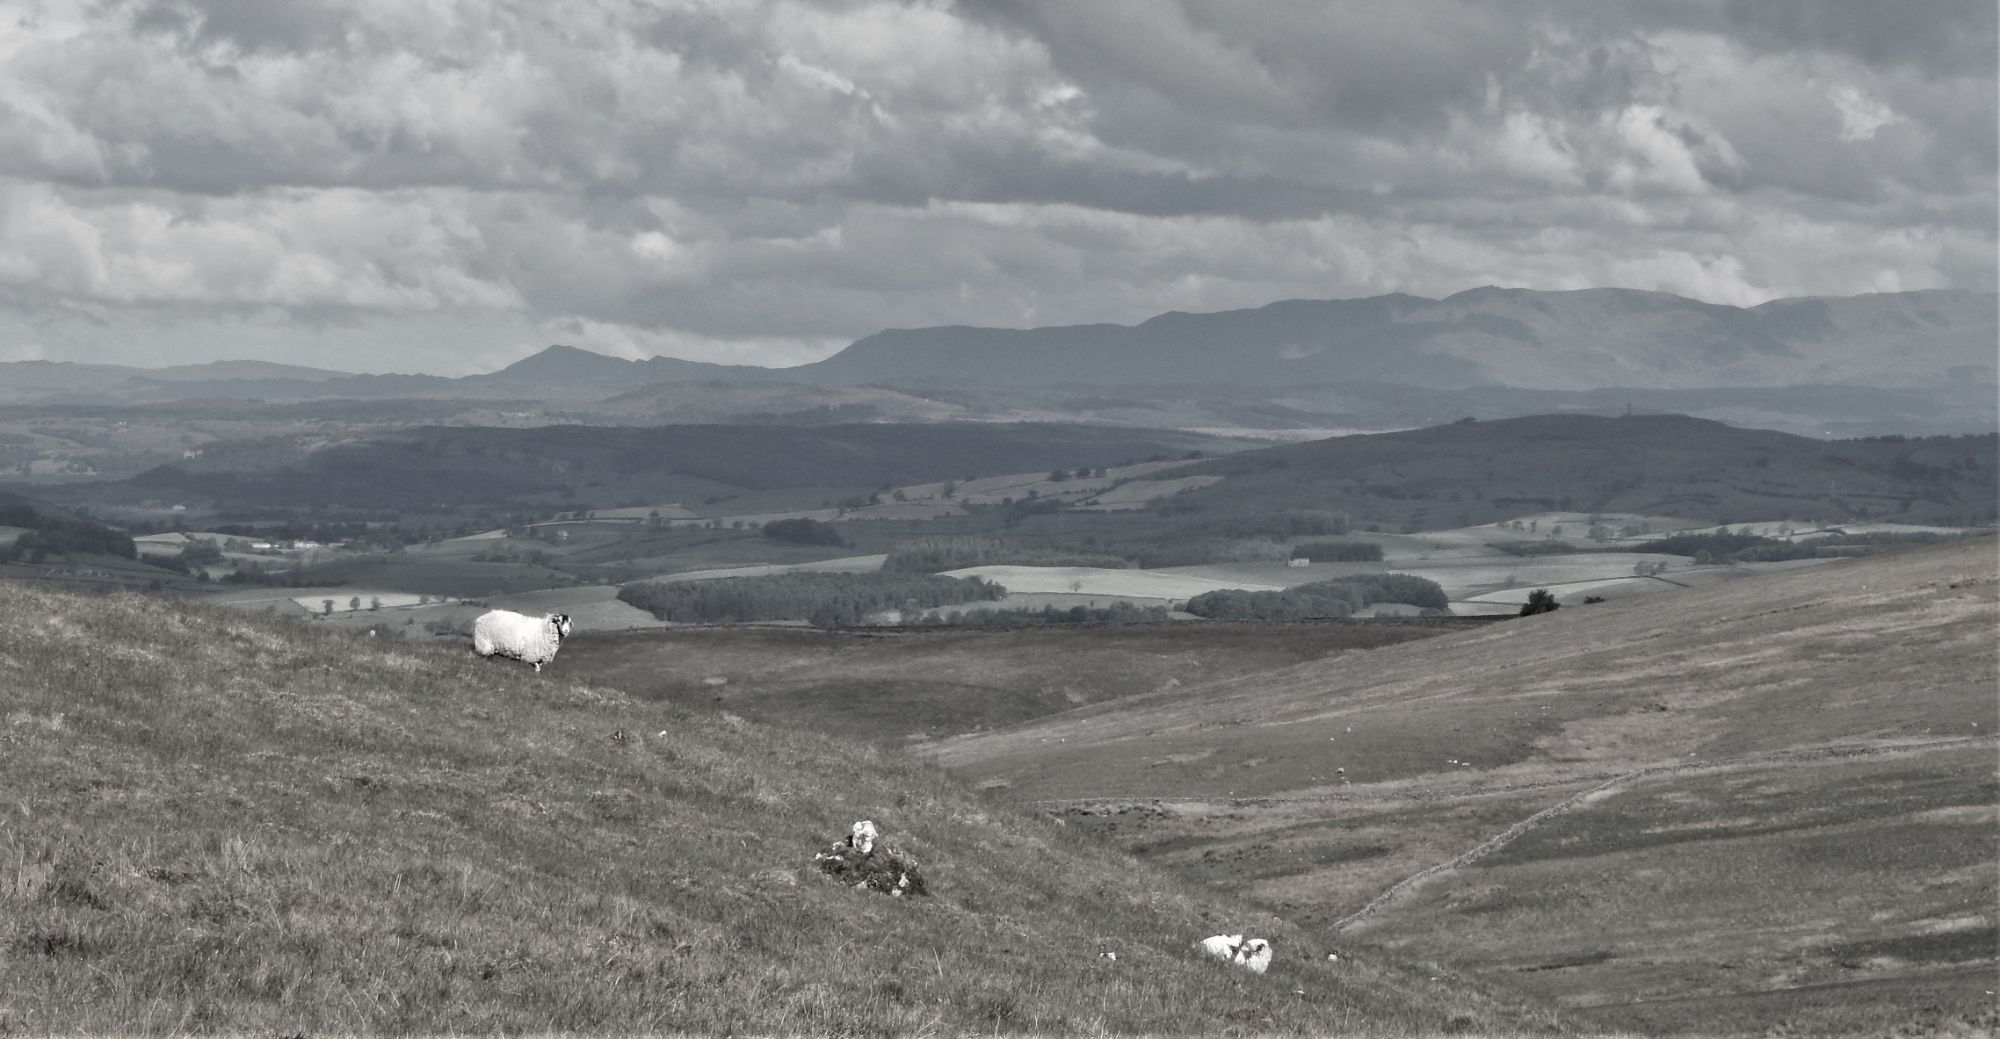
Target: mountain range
(1581, 340)
(1470, 351)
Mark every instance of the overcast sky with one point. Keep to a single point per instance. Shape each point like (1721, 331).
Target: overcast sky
(449, 185)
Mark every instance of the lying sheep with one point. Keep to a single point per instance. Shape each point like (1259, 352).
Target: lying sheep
(533, 640)
(1254, 953)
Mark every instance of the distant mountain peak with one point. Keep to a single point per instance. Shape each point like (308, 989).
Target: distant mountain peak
(563, 360)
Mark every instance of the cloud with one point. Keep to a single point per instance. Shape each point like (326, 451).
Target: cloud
(767, 179)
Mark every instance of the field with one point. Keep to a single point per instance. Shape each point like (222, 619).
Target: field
(1768, 801)
(1097, 581)
(224, 823)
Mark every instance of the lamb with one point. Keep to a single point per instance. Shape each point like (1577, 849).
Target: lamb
(533, 640)
(1254, 953)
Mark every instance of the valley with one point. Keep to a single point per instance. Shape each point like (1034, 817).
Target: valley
(1764, 792)
(920, 519)
(1739, 779)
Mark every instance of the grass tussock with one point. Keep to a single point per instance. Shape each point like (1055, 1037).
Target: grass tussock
(215, 822)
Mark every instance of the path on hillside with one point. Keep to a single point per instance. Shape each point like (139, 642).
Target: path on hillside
(1513, 832)
(1055, 804)
(1598, 782)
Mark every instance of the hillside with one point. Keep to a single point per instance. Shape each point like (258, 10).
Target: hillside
(218, 822)
(1578, 340)
(1764, 804)
(1476, 472)
(909, 684)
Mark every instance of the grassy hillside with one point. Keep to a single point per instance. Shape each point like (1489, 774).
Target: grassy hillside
(1771, 802)
(1477, 472)
(210, 821)
(928, 683)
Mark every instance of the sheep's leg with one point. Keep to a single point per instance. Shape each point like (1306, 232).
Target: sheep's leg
(538, 667)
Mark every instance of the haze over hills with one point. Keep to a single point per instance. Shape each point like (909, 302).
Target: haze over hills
(1578, 340)
(1813, 365)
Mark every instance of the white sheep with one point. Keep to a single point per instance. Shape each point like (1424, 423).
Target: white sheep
(1254, 953)
(533, 640)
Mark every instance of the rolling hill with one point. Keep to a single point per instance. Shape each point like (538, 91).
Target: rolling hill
(1764, 805)
(574, 467)
(1476, 472)
(215, 822)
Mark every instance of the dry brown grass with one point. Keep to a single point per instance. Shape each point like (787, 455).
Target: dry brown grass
(932, 682)
(213, 822)
(1811, 788)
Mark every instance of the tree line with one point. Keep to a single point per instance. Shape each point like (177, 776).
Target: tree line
(1339, 597)
(50, 534)
(1338, 551)
(1118, 612)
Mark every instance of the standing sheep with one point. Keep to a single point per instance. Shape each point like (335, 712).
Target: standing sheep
(534, 640)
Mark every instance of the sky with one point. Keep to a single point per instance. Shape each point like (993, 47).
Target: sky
(447, 186)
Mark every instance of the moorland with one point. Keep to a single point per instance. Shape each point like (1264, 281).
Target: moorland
(1122, 664)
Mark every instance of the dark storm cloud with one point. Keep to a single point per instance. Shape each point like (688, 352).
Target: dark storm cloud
(1952, 37)
(763, 179)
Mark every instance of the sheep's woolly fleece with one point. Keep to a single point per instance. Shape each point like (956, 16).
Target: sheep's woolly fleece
(1254, 953)
(532, 640)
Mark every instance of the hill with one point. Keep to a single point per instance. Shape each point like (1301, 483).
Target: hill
(220, 822)
(561, 371)
(39, 531)
(575, 467)
(1763, 805)
(1578, 340)
(1468, 473)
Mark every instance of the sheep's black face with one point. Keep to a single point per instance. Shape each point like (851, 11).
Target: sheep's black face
(562, 625)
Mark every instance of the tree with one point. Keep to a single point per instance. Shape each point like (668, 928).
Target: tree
(326, 607)
(804, 531)
(1541, 600)
(354, 603)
